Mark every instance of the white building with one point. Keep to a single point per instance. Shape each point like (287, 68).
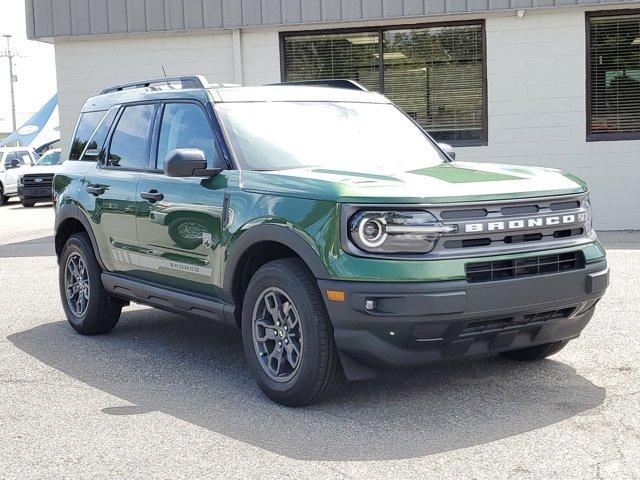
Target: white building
(544, 82)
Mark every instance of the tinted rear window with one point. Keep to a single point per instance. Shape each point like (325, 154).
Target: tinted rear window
(99, 136)
(86, 125)
(129, 140)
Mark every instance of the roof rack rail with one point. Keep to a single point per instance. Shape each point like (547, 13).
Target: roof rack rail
(330, 82)
(188, 81)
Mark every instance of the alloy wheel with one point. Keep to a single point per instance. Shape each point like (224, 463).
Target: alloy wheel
(76, 284)
(277, 334)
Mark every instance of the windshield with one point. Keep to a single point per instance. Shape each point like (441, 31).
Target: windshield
(364, 137)
(51, 158)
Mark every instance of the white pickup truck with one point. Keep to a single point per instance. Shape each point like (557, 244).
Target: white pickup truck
(35, 183)
(13, 162)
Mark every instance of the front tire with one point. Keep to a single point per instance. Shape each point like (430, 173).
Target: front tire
(27, 203)
(287, 335)
(538, 352)
(88, 307)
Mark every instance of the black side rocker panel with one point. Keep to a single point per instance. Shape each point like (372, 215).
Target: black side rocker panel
(169, 299)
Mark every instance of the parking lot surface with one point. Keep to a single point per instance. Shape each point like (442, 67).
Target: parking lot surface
(164, 396)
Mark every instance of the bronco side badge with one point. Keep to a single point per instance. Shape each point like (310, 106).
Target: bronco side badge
(206, 240)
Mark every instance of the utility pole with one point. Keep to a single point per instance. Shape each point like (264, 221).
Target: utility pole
(9, 54)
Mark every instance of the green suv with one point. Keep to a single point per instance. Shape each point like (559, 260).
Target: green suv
(322, 222)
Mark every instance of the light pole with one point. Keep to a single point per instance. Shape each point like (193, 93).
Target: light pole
(9, 54)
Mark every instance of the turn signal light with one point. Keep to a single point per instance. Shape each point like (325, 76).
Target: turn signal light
(335, 295)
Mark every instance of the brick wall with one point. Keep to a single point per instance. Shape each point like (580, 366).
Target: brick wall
(536, 93)
(84, 67)
(536, 105)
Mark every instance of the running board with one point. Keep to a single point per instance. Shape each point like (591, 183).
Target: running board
(171, 300)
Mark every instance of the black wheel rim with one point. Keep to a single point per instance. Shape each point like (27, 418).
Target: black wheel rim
(76, 284)
(277, 334)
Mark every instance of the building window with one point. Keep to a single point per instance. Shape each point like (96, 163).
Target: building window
(341, 55)
(436, 74)
(613, 76)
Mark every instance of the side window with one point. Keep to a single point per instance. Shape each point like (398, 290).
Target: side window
(86, 125)
(98, 138)
(25, 158)
(185, 125)
(10, 159)
(129, 140)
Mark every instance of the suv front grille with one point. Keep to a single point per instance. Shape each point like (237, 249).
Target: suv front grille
(512, 225)
(523, 267)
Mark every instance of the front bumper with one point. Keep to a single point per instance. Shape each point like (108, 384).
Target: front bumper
(414, 323)
(40, 193)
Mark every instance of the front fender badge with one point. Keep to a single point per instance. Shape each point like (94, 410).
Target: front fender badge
(206, 240)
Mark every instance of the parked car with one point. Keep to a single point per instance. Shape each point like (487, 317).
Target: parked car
(335, 233)
(35, 183)
(13, 160)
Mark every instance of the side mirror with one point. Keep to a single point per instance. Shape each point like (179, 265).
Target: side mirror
(188, 162)
(15, 163)
(448, 149)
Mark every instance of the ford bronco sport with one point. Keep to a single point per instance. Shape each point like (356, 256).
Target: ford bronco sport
(325, 224)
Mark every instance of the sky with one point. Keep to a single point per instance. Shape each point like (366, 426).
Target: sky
(35, 67)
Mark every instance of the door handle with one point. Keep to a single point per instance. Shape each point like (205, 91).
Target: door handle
(152, 195)
(95, 189)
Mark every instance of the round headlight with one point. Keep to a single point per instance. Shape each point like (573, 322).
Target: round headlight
(396, 231)
(371, 231)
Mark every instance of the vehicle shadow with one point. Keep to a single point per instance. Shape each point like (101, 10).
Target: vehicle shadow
(194, 370)
(37, 247)
(19, 206)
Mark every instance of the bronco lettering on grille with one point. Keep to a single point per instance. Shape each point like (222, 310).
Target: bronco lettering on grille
(524, 223)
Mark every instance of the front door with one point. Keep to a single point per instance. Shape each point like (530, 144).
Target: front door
(14, 165)
(180, 219)
(111, 188)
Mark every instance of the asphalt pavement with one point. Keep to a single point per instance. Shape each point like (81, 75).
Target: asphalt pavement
(165, 396)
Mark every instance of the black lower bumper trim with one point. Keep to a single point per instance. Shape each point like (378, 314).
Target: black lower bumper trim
(402, 324)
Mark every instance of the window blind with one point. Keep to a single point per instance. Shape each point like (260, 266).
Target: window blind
(435, 74)
(614, 76)
(350, 56)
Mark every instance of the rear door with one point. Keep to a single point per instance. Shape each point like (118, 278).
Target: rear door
(179, 219)
(111, 187)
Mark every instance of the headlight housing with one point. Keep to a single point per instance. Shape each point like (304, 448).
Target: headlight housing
(396, 231)
(588, 223)
(21, 180)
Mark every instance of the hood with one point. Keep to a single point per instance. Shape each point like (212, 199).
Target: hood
(449, 182)
(41, 169)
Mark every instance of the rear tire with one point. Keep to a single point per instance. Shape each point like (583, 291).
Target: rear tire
(88, 307)
(3, 198)
(538, 352)
(305, 368)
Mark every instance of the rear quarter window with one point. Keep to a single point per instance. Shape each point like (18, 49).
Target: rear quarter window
(96, 143)
(87, 124)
